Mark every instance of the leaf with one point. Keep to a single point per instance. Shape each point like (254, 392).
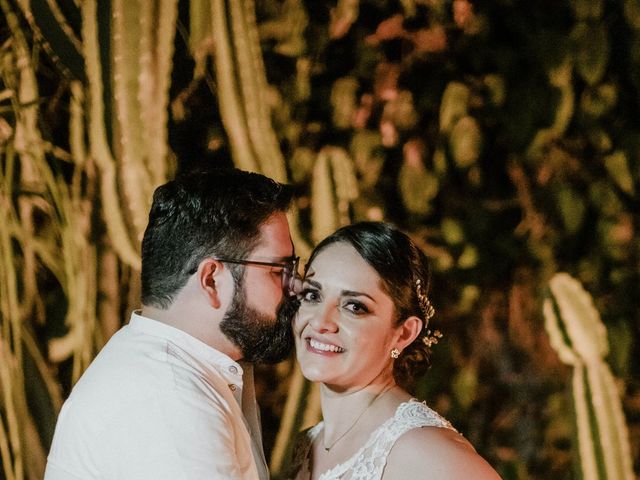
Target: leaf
(469, 257)
(599, 101)
(572, 209)
(468, 298)
(455, 100)
(343, 101)
(586, 9)
(603, 196)
(600, 139)
(465, 386)
(591, 47)
(618, 169)
(401, 111)
(417, 187)
(466, 142)
(365, 149)
(621, 335)
(632, 13)
(610, 239)
(496, 88)
(452, 231)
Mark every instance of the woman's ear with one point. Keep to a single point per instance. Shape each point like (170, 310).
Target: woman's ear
(408, 331)
(209, 277)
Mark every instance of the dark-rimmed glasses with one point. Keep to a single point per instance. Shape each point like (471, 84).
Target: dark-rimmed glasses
(288, 274)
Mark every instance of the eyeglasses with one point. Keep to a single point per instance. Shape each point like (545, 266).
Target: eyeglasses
(288, 274)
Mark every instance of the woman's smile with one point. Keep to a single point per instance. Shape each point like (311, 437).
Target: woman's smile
(322, 348)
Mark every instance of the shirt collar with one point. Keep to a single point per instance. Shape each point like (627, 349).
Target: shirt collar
(196, 347)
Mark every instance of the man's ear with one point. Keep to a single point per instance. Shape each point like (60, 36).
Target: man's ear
(209, 277)
(408, 331)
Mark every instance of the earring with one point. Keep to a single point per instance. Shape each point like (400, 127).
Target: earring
(395, 353)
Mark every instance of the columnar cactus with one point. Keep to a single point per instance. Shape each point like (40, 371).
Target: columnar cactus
(580, 338)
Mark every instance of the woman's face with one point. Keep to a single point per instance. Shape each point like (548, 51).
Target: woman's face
(344, 329)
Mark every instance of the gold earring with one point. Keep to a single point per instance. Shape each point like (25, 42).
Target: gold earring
(395, 353)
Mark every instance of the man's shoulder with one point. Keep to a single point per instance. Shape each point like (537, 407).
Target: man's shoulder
(126, 371)
(134, 368)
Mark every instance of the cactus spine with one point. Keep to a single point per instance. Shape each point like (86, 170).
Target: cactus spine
(580, 338)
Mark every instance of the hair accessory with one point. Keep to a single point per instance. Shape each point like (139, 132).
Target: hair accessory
(425, 305)
(431, 339)
(395, 353)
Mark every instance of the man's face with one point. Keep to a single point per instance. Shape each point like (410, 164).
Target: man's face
(259, 318)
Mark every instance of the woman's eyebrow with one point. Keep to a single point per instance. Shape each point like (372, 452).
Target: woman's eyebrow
(352, 293)
(313, 283)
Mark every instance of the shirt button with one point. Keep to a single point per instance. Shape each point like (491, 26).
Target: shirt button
(233, 369)
(232, 387)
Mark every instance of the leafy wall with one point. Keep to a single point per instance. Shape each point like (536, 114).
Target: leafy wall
(502, 135)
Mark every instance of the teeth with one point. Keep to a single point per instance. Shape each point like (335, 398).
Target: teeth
(324, 347)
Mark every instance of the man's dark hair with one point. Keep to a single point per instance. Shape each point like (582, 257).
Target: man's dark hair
(200, 215)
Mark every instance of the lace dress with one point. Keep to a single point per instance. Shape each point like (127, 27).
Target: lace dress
(367, 463)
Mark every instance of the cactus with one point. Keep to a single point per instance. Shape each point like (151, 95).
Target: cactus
(142, 66)
(241, 81)
(99, 142)
(580, 338)
(333, 187)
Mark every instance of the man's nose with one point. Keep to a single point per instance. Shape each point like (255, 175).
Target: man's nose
(297, 285)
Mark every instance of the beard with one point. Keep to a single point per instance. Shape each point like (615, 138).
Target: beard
(261, 338)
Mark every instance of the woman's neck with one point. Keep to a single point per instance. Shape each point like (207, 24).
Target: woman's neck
(343, 411)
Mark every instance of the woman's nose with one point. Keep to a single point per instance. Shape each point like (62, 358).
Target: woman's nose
(323, 320)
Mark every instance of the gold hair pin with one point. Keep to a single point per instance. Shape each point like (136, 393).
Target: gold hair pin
(425, 304)
(431, 338)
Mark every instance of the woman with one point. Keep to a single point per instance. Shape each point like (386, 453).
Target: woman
(362, 332)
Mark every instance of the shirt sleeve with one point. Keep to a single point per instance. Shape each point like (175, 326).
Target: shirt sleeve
(56, 472)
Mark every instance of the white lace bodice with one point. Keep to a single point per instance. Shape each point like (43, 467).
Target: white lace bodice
(368, 463)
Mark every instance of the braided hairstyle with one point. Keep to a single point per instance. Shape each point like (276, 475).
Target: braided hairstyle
(405, 276)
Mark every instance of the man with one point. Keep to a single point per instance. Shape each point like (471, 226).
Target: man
(166, 397)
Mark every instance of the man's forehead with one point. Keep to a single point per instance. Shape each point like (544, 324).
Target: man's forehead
(275, 238)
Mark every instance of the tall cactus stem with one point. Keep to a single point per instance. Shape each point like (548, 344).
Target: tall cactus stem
(100, 151)
(580, 338)
(128, 54)
(229, 97)
(254, 89)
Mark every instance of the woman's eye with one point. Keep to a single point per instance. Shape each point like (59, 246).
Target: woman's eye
(356, 308)
(310, 295)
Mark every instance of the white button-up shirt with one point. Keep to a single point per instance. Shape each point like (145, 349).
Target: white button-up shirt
(157, 403)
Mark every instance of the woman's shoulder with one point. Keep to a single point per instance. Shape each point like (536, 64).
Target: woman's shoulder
(442, 452)
(414, 413)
